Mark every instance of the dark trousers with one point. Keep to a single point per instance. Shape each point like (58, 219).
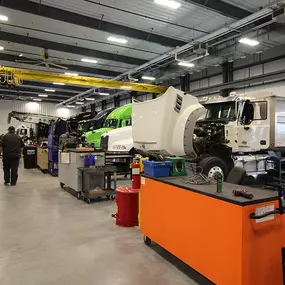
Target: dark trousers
(10, 167)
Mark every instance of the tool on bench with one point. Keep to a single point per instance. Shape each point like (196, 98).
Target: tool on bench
(244, 193)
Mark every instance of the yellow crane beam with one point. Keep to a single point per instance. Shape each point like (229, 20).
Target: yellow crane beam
(25, 74)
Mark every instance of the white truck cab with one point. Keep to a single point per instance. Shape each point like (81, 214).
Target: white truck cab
(215, 132)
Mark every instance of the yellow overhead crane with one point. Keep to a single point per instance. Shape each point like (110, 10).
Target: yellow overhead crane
(15, 76)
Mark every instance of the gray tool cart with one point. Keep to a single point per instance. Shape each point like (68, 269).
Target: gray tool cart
(97, 183)
(87, 182)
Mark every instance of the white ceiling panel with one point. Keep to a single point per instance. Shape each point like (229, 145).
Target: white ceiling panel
(53, 30)
(188, 15)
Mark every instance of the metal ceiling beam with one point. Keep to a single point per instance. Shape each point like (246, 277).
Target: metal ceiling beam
(25, 74)
(69, 88)
(85, 21)
(23, 89)
(77, 68)
(277, 75)
(26, 40)
(27, 96)
(221, 7)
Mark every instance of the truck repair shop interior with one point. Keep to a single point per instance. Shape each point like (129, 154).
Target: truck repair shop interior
(154, 142)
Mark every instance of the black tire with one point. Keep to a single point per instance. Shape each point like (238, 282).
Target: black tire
(208, 163)
(78, 195)
(113, 197)
(147, 240)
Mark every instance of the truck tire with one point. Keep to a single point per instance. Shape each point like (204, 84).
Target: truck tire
(211, 166)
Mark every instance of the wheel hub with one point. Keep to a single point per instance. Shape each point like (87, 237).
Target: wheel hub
(214, 172)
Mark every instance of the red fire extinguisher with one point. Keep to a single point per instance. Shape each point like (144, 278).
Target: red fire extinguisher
(136, 176)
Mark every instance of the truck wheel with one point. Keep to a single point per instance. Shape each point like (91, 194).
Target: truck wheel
(213, 166)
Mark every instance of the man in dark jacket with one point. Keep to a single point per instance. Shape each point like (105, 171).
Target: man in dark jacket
(11, 146)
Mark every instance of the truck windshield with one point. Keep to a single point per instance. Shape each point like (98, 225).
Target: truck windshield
(220, 111)
(111, 123)
(84, 127)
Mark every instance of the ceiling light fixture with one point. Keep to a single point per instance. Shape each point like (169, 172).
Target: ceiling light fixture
(185, 63)
(49, 90)
(43, 95)
(58, 83)
(3, 18)
(117, 40)
(259, 52)
(37, 99)
(168, 3)
(70, 106)
(88, 60)
(20, 55)
(71, 74)
(104, 94)
(243, 56)
(126, 87)
(1, 48)
(90, 99)
(148, 78)
(249, 42)
(79, 103)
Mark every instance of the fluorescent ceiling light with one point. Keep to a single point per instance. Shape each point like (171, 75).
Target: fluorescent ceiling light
(230, 60)
(185, 63)
(37, 99)
(249, 42)
(90, 99)
(126, 87)
(243, 56)
(79, 103)
(70, 106)
(49, 90)
(259, 52)
(43, 95)
(3, 18)
(168, 3)
(20, 55)
(148, 78)
(117, 40)
(89, 60)
(104, 94)
(1, 48)
(58, 83)
(71, 74)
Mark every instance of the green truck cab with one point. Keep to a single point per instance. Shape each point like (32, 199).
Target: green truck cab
(120, 117)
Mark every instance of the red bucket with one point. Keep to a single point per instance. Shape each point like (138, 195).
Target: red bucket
(127, 200)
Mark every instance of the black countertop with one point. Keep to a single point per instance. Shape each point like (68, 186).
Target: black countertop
(260, 195)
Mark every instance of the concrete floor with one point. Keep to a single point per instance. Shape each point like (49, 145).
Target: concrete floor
(49, 237)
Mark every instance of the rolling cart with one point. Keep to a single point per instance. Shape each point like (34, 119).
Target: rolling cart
(96, 183)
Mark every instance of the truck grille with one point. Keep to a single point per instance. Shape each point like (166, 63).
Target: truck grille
(104, 143)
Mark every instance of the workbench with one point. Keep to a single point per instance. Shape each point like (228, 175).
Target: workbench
(212, 232)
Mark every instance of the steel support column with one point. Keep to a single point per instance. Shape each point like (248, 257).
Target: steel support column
(228, 76)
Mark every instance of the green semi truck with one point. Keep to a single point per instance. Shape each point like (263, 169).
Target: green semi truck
(120, 117)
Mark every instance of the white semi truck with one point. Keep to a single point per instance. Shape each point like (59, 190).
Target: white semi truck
(216, 132)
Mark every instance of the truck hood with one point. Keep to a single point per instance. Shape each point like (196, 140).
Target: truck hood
(119, 132)
(94, 136)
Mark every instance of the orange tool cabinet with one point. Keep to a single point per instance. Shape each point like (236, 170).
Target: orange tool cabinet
(212, 232)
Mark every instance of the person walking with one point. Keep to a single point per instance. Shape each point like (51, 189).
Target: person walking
(11, 147)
